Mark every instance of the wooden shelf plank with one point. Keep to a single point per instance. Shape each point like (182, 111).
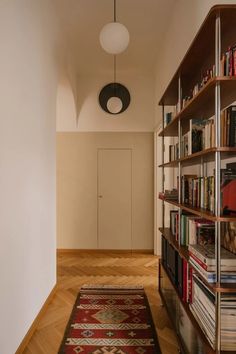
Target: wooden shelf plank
(226, 151)
(183, 251)
(200, 212)
(202, 104)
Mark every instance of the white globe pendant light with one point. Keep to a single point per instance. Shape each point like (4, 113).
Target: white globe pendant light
(114, 36)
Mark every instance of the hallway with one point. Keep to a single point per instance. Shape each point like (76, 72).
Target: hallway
(74, 270)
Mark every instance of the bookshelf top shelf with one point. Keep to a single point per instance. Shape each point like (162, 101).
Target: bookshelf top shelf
(202, 43)
(202, 104)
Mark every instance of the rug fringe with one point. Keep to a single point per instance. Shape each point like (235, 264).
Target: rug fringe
(126, 287)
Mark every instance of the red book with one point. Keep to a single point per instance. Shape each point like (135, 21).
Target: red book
(190, 284)
(229, 197)
(230, 61)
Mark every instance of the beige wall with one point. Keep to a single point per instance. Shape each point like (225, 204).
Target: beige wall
(77, 187)
(27, 162)
(139, 116)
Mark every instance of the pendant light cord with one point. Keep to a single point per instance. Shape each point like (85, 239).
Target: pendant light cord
(114, 10)
(114, 68)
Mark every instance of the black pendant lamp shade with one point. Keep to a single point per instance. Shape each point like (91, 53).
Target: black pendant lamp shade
(114, 98)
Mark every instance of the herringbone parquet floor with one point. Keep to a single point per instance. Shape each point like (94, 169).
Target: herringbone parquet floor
(74, 270)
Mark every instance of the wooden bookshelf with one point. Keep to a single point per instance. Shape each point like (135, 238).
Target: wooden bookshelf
(216, 34)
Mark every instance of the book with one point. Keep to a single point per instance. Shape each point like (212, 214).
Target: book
(228, 126)
(204, 310)
(210, 276)
(228, 231)
(173, 214)
(206, 254)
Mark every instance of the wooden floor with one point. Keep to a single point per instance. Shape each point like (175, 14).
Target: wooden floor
(120, 269)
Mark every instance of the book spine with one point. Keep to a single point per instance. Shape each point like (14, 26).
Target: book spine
(202, 264)
(232, 129)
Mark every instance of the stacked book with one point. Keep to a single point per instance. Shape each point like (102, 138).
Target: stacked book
(169, 194)
(228, 62)
(173, 152)
(228, 127)
(202, 258)
(204, 310)
(206, 76)
(168, 118)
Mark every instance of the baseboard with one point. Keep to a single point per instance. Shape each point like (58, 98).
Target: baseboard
(34, 325)
(92, 251)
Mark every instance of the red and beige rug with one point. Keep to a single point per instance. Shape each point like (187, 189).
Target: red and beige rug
(110, 320)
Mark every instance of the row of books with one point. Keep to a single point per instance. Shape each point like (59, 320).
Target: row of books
(204, 310)
(178, 269)
(227, 68)
(228, 62)
(193, 229)
(198, 192)
(205, 77)
(201, 135)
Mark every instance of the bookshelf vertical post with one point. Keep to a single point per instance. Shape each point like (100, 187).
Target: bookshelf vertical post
(163, 169)
(217, 179)
(179, 154)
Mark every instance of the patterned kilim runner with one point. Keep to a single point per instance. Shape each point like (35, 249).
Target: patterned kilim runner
(110, 320)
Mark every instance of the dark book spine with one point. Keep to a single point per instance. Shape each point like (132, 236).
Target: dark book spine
(232, 129)
(180, 276)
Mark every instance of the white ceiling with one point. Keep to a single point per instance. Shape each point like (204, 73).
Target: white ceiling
(82, 20)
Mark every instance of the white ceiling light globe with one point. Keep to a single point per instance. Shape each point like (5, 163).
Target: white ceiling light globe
(114, 105)
(114, 38)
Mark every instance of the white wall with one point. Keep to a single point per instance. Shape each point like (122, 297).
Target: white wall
(139, 117)
(27, 162)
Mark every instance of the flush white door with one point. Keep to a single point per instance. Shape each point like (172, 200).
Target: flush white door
(115, 199)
